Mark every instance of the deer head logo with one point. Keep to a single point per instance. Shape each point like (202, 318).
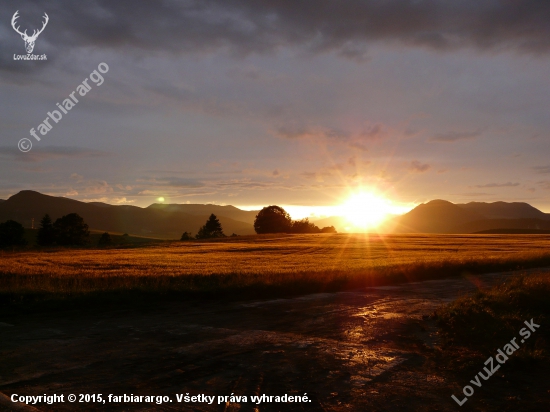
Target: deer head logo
(29, 40)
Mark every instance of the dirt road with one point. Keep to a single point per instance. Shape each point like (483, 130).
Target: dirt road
(359, 350)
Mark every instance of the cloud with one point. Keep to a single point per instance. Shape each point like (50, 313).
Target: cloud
(98, 187)
(358, 146)
(509, 184)
(172, 182)
(38, 154)
(374, 132)
(474, 194)
(417, 167)
(77, 177)
(330, 135)
(303, 132)
(452, 136)
(120, 200)
(112, 200)
(246, 26)
(542, 169)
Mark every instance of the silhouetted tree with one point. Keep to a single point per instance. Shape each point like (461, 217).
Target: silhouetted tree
(328, 229)
(104, 240)
(71, 230)
(304, 226)
(12, 233)
(186, 236)
(211, 229)
(46, 233)
(272, 219)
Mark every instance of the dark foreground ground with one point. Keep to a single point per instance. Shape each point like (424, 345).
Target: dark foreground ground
(374, 350)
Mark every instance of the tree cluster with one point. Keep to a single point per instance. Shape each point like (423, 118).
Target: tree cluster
(12, 234)
(69, 230)
(274, 219)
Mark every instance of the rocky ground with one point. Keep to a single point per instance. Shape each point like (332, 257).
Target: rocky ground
(370, 350)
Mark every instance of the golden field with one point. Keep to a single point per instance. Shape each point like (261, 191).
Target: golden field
(296, 263)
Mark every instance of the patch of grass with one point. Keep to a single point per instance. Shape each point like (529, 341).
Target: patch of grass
(488, 320)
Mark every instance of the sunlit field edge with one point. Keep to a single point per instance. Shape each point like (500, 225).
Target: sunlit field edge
(265, 266)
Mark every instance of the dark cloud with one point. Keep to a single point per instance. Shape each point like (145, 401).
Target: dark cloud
(359, 146)
(246, 26)
(301, 132)
(419, 167)
(509, 184)
(38, 154)
(374, 132)
(450, 137)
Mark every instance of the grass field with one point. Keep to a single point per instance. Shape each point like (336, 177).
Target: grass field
(287, 264)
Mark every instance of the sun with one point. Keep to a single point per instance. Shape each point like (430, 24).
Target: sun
(366, 210)
(160, 199)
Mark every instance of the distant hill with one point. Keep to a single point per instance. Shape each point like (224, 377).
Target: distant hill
(440, 216)
(154, 221)
(200, 210)
(437, 216)
(503, 210)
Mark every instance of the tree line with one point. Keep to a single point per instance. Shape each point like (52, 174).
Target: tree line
(71, 230)
(271, 219)
(274, 219)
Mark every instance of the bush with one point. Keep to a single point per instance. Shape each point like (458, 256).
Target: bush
(304, 226)
(495, 315)
(105, 240)
(186, 236)
(12, 234)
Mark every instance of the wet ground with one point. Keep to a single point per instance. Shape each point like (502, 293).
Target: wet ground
(360, 351)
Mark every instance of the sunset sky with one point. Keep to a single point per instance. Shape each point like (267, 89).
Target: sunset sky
(296, 103)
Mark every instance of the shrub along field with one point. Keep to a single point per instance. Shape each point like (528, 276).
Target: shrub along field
(264, 265)
(494, 315)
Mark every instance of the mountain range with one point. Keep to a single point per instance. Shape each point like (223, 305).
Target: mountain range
(441, 216)
(164, 221)
(169, 221)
